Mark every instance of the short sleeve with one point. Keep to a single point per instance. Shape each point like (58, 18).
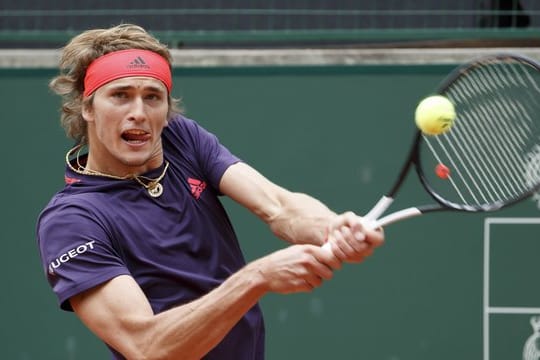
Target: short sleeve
(77, 252)
(212, 157)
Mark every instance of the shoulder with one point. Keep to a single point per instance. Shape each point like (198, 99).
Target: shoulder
(66, 200)
(187, 135)
(69, 212)
(187, 129)
(68, 220)
(181, 124)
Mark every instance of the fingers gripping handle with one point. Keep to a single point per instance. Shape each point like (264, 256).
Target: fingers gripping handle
(369, 221)
(366, 224)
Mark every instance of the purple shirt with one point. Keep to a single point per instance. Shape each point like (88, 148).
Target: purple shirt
(177, 247)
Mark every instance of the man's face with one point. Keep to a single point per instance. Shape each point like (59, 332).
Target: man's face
(125, 124)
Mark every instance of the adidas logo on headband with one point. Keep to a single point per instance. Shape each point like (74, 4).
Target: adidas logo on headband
(138, 63)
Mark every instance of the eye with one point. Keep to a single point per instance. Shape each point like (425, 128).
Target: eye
(153, 97)
(120, 94)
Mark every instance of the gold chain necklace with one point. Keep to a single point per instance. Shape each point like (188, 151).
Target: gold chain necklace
(153, 186)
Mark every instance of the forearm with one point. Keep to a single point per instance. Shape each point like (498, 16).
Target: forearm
(119, 313)
(192, 330)
(301, 219)
(294, 217)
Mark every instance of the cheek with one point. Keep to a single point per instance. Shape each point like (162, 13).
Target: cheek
(162, 116)
(102, 132)
(104, 125)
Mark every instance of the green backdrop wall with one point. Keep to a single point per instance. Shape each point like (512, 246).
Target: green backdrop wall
(338, 133)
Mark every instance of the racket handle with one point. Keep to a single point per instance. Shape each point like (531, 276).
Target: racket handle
(397, 216)
(377, 210)
(387, 220)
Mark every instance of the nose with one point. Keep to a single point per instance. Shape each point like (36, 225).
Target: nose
(137, 110)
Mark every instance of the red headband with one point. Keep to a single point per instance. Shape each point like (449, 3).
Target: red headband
(125, 63)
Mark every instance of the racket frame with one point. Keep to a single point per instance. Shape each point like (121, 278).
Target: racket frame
(373, 218)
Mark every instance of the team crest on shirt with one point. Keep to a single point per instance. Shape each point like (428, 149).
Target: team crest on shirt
(197, 187)
(69, 180)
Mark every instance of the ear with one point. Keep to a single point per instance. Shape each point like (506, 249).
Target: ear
(87, 111)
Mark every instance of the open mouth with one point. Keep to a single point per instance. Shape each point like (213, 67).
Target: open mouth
(135, 136)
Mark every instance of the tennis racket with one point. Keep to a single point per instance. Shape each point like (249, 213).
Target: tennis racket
(493, 150)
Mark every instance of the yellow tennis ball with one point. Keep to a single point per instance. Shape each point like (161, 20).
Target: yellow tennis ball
(435, 115)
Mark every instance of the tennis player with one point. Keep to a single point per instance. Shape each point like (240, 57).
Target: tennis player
(137, 243)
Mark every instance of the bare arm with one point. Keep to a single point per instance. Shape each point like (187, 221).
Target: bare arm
(294, 217)
(119, 313)
(299, 218)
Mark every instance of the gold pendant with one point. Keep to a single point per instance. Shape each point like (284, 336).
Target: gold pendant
(155, 191)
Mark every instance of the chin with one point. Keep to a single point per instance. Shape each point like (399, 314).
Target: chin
(134, 161)
(136, 157)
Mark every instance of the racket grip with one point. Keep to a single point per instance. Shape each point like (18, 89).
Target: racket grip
(379, 208)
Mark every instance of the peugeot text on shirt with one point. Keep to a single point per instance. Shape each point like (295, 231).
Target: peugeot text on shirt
(81, 249)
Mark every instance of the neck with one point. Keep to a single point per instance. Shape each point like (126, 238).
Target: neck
(153, 186)
(121, 169)
(86, 164)
(123, 165)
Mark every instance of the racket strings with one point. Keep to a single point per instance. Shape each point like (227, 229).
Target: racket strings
(501, 139)
(492, 150)
(533, 165)
(500, 160)
(479, 151)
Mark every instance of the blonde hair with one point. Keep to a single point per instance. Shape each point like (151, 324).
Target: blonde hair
(80, 52)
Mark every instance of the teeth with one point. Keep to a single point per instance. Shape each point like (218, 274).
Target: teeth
(136, 132)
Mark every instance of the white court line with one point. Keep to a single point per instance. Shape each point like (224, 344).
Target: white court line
(488, 310)
(513, 310)
(529, 220)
